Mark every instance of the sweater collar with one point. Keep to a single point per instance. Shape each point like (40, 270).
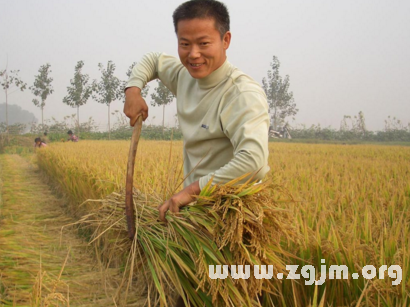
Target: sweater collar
(216, 76)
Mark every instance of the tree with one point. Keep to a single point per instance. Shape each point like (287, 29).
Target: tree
(108, 89)
(355, 125)
(280, 99)
(393, 124)
(360, 124)
(79, 91)
(10, 82)
(161, 97)
(42, 88)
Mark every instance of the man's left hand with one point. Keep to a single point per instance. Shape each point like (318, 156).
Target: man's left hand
(179, 200)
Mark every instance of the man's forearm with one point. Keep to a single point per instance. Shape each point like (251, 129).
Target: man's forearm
(243, 163)
(181, 199)
(187, 195)
(245, 122)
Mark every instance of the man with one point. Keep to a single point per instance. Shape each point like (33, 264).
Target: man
(223, 113)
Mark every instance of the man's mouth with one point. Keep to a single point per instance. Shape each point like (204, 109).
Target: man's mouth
(195, 65)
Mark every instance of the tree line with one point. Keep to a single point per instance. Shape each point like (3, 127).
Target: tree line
(394, 130)
(110, 88)
(106, 90)
(353, 128)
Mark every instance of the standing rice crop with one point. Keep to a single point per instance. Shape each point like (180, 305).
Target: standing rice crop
(352, 207)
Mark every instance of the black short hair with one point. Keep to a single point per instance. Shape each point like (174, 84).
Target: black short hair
(69, 132)
(203, 9)
(37, 140)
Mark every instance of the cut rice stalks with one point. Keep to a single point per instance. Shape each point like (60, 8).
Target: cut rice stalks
(230, 224)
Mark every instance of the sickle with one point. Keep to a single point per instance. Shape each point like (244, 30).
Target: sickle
(129, 203)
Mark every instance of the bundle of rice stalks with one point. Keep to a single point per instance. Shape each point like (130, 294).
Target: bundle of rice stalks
(231, 224)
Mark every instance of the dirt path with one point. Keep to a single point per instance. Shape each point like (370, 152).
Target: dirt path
(33, 250)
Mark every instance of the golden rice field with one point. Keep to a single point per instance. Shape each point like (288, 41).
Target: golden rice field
(351, 206)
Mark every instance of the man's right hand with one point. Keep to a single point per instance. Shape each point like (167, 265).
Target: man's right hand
(135, 105)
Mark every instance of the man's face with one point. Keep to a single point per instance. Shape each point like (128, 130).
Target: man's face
(200, 47)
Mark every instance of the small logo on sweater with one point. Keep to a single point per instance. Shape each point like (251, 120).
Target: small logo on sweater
(205, 126)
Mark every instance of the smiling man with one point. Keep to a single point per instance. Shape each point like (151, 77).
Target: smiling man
(223, 113)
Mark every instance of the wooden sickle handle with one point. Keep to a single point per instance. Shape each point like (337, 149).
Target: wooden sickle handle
(129, 203)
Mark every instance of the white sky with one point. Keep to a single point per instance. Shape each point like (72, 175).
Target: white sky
(342, 56)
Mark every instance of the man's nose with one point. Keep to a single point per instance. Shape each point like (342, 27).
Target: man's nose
(194, 52)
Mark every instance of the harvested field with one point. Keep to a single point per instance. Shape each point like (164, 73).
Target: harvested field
(41, 265)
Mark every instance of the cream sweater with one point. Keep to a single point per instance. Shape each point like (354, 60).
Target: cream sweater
(223, 117)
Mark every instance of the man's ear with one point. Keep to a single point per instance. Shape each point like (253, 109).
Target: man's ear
(227, 40)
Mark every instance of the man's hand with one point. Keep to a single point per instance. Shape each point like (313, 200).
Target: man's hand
(179, 200)
(135, 105)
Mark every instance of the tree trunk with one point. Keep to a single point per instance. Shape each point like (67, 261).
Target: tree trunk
(78, 121)
(7, 113)
(109, 127)
(275, 124)
(7, 116)
(163, 119)
(42, 122)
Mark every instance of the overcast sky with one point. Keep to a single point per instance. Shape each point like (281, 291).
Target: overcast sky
(342, 56)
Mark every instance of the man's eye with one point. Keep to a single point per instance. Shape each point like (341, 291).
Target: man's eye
(184, 44)
(205, 43)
